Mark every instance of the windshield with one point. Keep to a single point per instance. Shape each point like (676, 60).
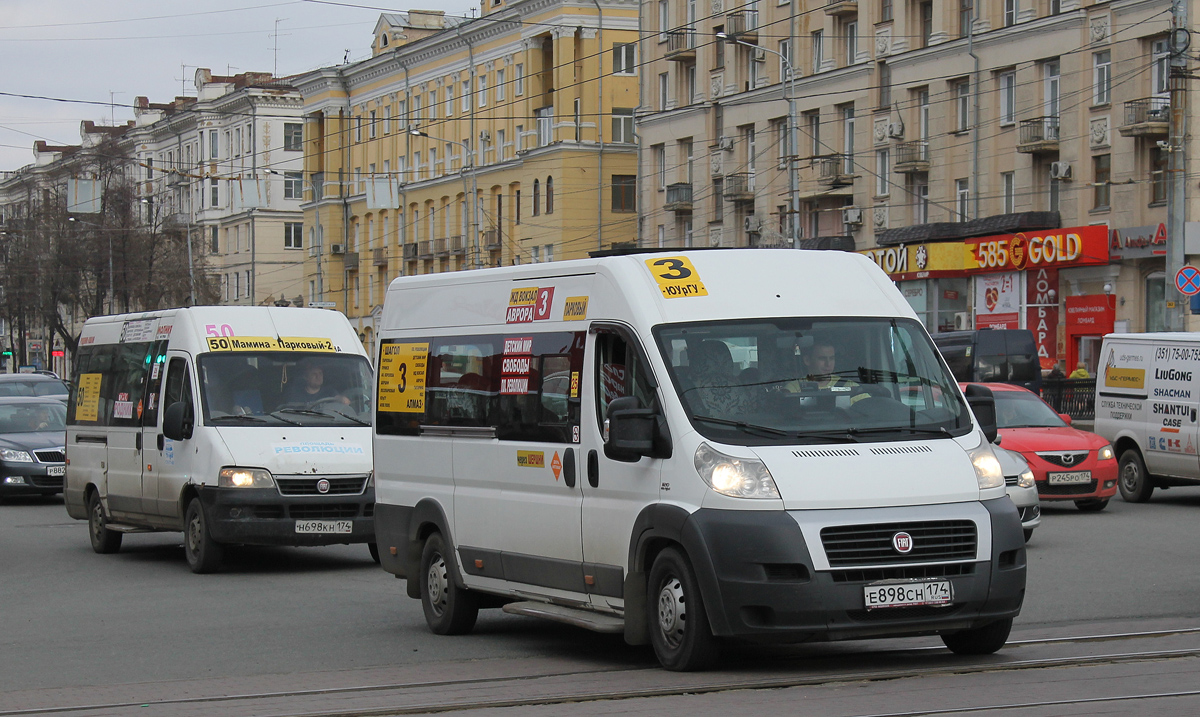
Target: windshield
(273, 388)
(52, 387)
(33, 417)
(1017, 409)
(792, 380)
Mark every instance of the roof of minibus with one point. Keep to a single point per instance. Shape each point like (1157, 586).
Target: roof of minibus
(739, 283)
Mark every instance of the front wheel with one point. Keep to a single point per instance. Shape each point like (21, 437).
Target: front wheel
(449, 609)
(103, 539)
(1092, 505)
(374, 548)
(679, 629)
(203, 553)
(980, 641)
(1134, 480)
(1028, 534)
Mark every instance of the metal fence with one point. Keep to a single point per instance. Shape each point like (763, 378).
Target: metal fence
(1075, 397)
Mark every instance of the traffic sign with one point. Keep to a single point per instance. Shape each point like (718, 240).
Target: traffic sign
(322, 304)
(1187, 280)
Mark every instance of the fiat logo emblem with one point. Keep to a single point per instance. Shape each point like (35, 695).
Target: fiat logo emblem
(902, 542)
(323, 487)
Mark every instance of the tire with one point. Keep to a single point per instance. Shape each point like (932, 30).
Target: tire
(1092, 505)
(104, 541)
(980, 641)
(203, 553)
(1132, 477)
(1028, 534)
(679, 629)
(374, 548)
(449, 609)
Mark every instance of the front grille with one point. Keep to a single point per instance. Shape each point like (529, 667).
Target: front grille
(267, 512)
(342, 485)
(1011, 480)
(934, 540)
(1065, 459)
(908, 572)
(328, 511)
(369, 510)
(54, 456)
(46, 481)
(1076, 489)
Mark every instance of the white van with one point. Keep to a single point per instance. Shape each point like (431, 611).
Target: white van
(236, 425)
(760, 444)
(1146, 400)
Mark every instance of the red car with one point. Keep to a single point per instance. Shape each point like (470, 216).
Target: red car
(1067, 463)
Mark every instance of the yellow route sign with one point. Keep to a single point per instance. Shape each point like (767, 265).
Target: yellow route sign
(402, 369)
(676, 277)
(87, 402)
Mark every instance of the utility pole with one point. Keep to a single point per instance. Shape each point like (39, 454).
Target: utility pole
(1177, 164)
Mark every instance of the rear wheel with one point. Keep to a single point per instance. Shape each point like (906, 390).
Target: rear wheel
(1134, 480)
(679, 629)
(374, 548)
(449, 609)
(103, 539)
(203, 553)
(980, 641)
(1092, 505)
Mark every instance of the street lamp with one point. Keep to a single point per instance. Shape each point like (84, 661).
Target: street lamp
(467, 157)
(793, 135)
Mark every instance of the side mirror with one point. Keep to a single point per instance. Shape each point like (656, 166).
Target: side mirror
(1066, 418)
(630, 430)
(983, 405)
(178, 421)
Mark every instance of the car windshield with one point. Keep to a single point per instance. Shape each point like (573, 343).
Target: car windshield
(51, 387)
(33, 417)
(1018, 409)
(274, 388)
(793, 380)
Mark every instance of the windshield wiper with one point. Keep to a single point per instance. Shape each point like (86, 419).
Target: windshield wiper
(239, 417)
(940, 432)
(747, 427)
(348, 417)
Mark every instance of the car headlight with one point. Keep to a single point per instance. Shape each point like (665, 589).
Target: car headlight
(734, 477)
(1025, 480)
(987, 467)
(1105, 453)
(15, 456)
(245, 478)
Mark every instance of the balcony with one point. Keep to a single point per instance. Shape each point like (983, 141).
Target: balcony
(176, 178)
(835, 170)
(912, 157)
(1149, 117)
(410, 252)
(379, 257)
(743, 25)
(679, 198)
(681, 44)
(440, 248)
(425, 249)
(739, 187)
(841, 7)
(1038, 135)
(350, 261)
(458, 245)
(491, 239)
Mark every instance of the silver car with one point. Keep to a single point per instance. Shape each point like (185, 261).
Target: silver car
(1018, 479)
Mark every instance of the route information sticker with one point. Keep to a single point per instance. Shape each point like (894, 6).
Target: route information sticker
(402, 369)
(676, 277)
(87, 403)
(268, 343)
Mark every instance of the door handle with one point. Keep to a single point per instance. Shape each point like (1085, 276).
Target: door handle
(569, 467)
(593, 469)
(161, 442)
(137, 441)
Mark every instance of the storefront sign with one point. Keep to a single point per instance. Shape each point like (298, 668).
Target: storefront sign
(1091, 315)
(997, 301)
(1076, 246)
(1041, 313)
(1138, 242)
(919, 261)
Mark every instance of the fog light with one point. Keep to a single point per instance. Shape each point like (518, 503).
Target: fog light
(235, 512)
(14, 480)
(1109, 484)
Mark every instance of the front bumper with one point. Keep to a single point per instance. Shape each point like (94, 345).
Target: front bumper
(757, 577)
(29, 479)
(1103, 483)
(261, 516)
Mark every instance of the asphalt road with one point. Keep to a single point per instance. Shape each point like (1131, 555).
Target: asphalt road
(80, 623)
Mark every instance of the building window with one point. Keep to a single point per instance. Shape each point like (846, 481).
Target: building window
(519, 79)
(449, 103)
(1102, 78)
(371, 132)
(962, 194)
(293, 185)
(545, 125)
(718, 200)
(622, 125)
(1010, 192)
(851, 43)
(660, 166)
(1160, 67)
(214, 241)
(663, 88)
(466, 96)
(885, 10)
(577, 111)
(1008, 98)
(664, 19)
(962, 104)
(1012, 8)
(212, 144)
(624, 190)
(1102, 173)
(293, 235)
(500, 88)
(537, 197)
(293, 137)
(624, 54)
(1055, 7)
(885, 84)
(1055, 192)
(882, 168)
(966, 14)
(549, 195)
(433, 103)
(481, 88)
(690, 79)
(921, 198)
(1158, 175)
(786, 62)
(926, 23)
(718, 48)
(818, 50)
(812, 124)
(358, 123)
(215, 199)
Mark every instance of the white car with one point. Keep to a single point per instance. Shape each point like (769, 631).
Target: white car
(1019, 481)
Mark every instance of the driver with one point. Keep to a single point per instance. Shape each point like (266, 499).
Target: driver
(312, 388)
(820, 360)
(39, 419)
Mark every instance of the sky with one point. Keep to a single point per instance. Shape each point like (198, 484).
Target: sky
(101, 54)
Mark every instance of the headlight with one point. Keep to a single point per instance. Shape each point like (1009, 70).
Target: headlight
(15, 456)
(245, 478)
(1105, 453)
(1025, 480)
(987, 467)
(734, 477)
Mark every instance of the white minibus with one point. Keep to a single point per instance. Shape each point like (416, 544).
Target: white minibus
(681, 447)
(235, 425)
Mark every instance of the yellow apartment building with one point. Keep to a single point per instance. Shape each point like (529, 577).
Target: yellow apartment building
(466, 143)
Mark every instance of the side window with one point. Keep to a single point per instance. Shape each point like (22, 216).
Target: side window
(125, 392)
(158, 357)
(619, 373)
(83, 403)
(178, 384)
(990, 356)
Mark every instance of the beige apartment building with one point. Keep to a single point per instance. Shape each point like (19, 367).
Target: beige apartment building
(1005, 163)
(468, 143)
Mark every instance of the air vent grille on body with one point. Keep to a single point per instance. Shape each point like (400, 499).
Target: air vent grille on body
(894, 450)
(827, 453)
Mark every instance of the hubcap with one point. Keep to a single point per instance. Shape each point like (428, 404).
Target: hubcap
(195, 529)
(97, 521)
(436, 584)
(672, 612)
(1130, 477)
